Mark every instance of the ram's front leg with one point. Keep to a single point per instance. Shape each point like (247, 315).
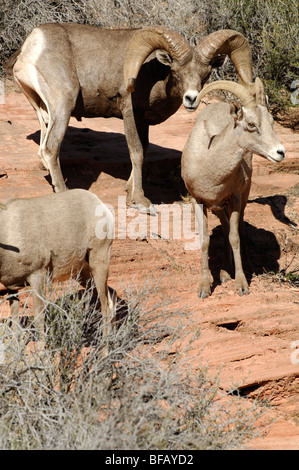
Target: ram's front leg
(137, 139)
(204, 289)
(234, 239)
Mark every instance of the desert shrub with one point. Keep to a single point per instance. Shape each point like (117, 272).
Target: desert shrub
(19, 17)
(67, 395)
(270, 26)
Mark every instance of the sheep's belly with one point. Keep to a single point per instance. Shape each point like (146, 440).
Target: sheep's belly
(62, 270)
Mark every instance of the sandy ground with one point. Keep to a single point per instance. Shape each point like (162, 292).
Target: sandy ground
(250, 338)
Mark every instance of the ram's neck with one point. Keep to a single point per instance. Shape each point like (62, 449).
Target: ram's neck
(224, 155)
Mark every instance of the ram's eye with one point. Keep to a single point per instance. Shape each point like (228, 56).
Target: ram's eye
(251, 125)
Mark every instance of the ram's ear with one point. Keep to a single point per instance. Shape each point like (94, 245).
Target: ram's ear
(164, 57)
(236, 111)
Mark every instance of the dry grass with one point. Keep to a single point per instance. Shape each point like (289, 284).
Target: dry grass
(67, 395)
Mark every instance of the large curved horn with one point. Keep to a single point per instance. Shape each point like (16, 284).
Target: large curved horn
(233, 44)
(147, 40)
(240, 91)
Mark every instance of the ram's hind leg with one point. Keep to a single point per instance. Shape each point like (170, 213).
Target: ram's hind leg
(227, 266)
(99, 258)
(53, 99)
(40, 109)
(59, 115)
(204, 289)
(247, 263)
(234, 239)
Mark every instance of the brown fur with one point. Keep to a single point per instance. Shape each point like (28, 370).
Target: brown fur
(78, 70)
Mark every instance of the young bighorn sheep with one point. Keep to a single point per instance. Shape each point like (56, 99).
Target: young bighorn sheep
(65, 234)
(141, 76)
(217, 167)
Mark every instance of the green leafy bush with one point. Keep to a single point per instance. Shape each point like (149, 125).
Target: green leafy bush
(271, 27)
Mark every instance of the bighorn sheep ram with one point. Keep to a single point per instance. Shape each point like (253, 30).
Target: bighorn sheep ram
(65, 234)
(217, 167)
(141, 76)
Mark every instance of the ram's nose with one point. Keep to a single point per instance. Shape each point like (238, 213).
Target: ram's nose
(277, 154)
(189, 100)
(280, 153)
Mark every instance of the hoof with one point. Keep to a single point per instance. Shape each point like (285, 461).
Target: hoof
(244, 291)
(145, 210)
(224, 276)
(203, 294)
(139, 200)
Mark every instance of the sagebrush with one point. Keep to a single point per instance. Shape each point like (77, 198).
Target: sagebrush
(142, 395)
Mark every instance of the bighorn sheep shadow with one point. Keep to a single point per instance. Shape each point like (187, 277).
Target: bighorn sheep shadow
(86, 153)
(261, 255)
(277, 205)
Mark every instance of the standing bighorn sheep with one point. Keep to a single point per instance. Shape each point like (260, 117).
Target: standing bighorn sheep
(65, 234)
(217, 167)
(141, 76)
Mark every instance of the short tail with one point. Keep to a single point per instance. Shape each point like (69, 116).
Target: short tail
(11, 62)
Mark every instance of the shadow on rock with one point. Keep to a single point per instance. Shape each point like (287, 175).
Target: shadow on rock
(260, 253)
(85, 154)
(277, 204)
